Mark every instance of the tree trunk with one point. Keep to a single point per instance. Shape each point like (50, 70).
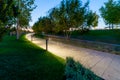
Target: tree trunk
(109, 26)
(17, 30)
(112, 26)
(67, 34)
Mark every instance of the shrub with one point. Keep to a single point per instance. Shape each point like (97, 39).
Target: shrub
(75, 71)
(39, 35)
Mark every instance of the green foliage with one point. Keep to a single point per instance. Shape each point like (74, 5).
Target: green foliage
(14, 12)
(44, 24)
(6, 10)
(111, 13)
(25, 7)
(69, 14)
(22, 60)
(12, 9)
(75, 71)
(91, 19)
(39, 36)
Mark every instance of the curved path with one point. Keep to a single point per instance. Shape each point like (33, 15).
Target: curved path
(103, 64)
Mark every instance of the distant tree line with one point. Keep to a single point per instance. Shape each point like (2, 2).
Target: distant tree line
(70, 14)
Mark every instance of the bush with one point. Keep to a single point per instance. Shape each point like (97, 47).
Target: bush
(75, 71)
(39, 35)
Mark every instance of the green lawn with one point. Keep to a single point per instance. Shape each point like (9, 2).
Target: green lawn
(107, 36)
(22, 60)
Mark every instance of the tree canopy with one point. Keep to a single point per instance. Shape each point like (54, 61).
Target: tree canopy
(12, 9)
(44, 24)
(17, 12)
(6, 10)
(111, 12)
(70, 14)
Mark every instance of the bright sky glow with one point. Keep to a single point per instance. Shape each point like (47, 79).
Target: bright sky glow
(44, 5)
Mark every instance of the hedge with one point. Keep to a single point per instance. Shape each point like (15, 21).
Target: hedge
(75, 71)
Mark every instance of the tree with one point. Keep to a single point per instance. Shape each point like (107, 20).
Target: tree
(16, 12)
(6, 14)
(44, 24)
(24, 8)
(91, 19)
(111, 12)
(70, 14)
(6, 11)
(35, 28)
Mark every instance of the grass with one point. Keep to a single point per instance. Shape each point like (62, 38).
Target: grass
(22, 60)
(111, 36)
(107, 36)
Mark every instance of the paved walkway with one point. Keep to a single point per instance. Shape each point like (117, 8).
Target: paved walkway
(103, 64)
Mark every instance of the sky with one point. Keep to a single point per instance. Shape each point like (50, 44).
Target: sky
(43, 6)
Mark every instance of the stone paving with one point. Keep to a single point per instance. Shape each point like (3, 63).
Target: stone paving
(105, 65)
